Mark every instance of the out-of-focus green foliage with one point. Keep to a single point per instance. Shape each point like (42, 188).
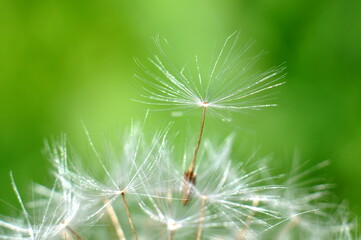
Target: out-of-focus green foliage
(66, 61)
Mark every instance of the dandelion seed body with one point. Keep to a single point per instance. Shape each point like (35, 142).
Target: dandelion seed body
(173, 87)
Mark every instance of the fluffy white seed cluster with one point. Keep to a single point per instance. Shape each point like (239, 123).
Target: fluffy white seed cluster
(139, 190)
(242, 201)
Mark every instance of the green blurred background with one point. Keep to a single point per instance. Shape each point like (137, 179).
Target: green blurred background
(66, 61)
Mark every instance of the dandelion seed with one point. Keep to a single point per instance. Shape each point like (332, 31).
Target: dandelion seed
(58, 216)
(224, 197)
(125, 171)
(303, 203)
(227, 87)
(236, 195)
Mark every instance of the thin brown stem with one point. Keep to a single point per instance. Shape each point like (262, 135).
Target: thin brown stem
(114, 219)
(189, 178)
(73, 233)
(201, 220)
(194, 159)
(171, 235)
(128, 215)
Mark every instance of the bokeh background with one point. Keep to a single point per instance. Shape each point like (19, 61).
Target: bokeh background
(63, 62)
